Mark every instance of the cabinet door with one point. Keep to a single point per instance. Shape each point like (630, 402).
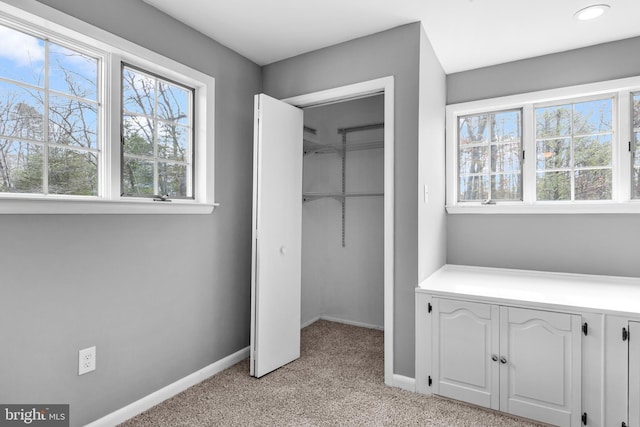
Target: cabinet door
(540, 366)
(634, 374)
(465, 335)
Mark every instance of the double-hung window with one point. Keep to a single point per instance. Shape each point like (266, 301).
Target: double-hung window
(564, 150)
(635, 144)
(574, 152)
(157, 131)
(92, 123)
(489, 154)
(49, 117)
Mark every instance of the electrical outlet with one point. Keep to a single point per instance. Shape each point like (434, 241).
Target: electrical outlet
(86, 360)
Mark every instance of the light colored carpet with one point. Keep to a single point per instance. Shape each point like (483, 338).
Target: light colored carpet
(338, 381)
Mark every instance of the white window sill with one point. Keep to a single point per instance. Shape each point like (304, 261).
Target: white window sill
(44, 205)
(572, 208)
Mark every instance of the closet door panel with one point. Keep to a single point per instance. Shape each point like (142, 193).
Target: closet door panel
(277, 231)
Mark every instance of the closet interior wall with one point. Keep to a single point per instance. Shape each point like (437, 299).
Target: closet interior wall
(344, 283)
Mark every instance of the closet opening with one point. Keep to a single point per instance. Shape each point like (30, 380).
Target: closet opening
(343, 213)
(347, 208)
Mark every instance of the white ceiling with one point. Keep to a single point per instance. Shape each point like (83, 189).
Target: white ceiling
(465, 34)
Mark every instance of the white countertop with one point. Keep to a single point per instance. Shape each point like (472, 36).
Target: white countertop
(611, 294)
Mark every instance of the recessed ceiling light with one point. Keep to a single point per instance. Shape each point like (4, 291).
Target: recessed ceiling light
(591, 12)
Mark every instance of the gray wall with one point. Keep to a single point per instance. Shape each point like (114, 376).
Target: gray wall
(594, 244)
(605, 61)
(395, 52)
(161, 296)
(431, 120)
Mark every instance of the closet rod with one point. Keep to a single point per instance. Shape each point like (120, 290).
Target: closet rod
(360, 128)
(309, 129)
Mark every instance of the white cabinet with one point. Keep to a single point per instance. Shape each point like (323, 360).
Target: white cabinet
(520, 361)
(465, 336)
(571, 343)
(634, 373)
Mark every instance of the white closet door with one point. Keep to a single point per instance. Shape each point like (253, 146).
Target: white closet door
(277, 235)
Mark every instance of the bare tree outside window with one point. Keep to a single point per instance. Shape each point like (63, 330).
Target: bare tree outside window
(48, 117)
(635, 135)
(489, 156)
(157, 136)
(574, 151)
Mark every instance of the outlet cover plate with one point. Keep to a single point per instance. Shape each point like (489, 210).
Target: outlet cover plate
(86, 360)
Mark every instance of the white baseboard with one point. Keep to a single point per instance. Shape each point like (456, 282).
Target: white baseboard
(309, 322)
(346, 322)
(405, 383)
(151, 400)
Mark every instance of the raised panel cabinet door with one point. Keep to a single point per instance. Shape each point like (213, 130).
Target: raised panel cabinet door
(465, 338)
(634, 374)
(540, 371)
(277, 235)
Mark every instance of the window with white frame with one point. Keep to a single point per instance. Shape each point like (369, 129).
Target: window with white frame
(156, 136)
(49, 117)
(574, 150)
(635, 148)
(87, 118)
(489, 153)
(580, 151)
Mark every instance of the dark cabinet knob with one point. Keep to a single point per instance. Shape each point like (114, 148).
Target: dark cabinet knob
(494, 357)
(503, 360)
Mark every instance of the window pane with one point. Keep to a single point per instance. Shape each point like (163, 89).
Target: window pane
(506, 187)
(160, 131)
(21, 167)
(592, 117)
(21, 112)
(553, 154)
(592, 151)
(173, 141)
(21, 57)
(505, 157)
(137, 177)
(635, 191)
(553, 121)
(138, 135)
(474, 188)
(593, 184)
(172, 180)
(72, 122)
(553, 186)
(506, 127)
(138, 92)
(637, 146)
(72, 72)
(473, 130)
(73, 172)
(173, 103)
(636, 110)
(474, 160)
